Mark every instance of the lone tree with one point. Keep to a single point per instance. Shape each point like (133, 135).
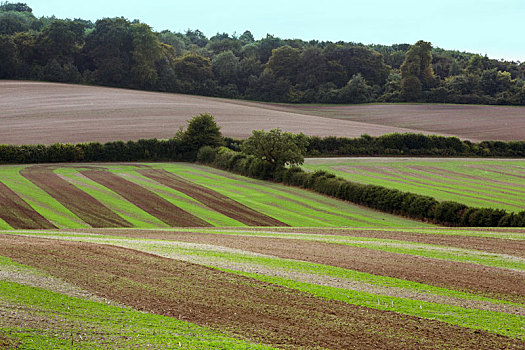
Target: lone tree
(201, 131)
(416, 70)
(276, 147)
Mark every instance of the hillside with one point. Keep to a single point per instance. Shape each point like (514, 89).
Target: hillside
(286, 288)
(493, 183)
(163, 195)
(49, 112)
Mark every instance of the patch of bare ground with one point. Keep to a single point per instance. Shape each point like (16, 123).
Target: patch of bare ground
(499, 283)
(146, 200)
(473, 122)
(29, 277)
(251, 309)
(45, 113)
(8, 343)
(17, 213)
(213, 199)
(83, 205)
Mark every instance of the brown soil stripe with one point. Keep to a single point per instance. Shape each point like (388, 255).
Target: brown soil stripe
(17, 213)
(212, 199)
(487, 244)
(494, 282)
(146, 200)
(251, 309)
(86, 207)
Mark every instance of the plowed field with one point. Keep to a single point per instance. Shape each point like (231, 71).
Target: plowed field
(48, 112)
(285, 287)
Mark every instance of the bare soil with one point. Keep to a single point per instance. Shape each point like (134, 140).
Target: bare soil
(212, 199)
(45, 113)
(86, 207)
(146, 200)
(472, 122)
(494, 282)
(251, 309)
(17, 213)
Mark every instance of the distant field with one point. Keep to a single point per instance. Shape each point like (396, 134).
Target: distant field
(471, 122)
(284, 287)
(165, 195)
(490, 183)
(36, 112)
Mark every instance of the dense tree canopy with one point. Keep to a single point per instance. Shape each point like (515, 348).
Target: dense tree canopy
(118, 52)
(276, 147)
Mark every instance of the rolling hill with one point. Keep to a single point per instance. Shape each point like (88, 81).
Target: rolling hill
(37, 112)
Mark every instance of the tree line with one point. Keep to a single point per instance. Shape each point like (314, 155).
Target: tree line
(122, 53)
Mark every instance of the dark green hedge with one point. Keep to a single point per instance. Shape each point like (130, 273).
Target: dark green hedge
(118, 151)
(392, 201)
(412, 145)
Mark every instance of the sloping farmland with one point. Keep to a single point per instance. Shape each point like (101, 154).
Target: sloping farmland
(289, 288)
(493, 183)
(167, 195)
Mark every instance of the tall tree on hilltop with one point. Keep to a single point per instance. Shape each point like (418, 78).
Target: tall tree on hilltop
(416, 70)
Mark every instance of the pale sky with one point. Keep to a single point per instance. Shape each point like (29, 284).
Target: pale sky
(491, 27)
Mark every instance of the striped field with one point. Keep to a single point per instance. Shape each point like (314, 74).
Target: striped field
(462, 287)
(165, 195)
(491, 183)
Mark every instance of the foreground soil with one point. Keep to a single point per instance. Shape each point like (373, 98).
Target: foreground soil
(251, 309)
(495, 282)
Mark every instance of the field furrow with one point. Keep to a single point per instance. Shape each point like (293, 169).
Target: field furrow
(501, 283)
(79, 202)
(212, 199)
(17, 213)
(250, 308)
(145, 200)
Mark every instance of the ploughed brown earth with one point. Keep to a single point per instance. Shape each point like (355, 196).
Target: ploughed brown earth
(146, 200)
(213, 199)
(472, 122)
(17, 213)
(38, 112)
(254, 310)
(490, 281)
(86, 207)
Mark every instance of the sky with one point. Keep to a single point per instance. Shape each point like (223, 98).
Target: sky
(487, 27)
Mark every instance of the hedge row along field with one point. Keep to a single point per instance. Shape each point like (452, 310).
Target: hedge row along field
(388, 200)
(492, 183)
(284, 287)
(164, 195)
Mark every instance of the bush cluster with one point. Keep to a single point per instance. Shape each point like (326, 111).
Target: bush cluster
(392, 201)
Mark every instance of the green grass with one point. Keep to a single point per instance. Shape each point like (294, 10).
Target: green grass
(63, 322)
(474, 182)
